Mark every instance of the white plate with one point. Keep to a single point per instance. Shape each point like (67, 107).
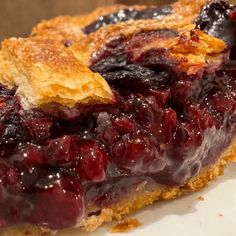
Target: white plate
(188, 216)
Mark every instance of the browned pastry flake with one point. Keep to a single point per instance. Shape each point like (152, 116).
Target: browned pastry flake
(68, 29)
(45, 72)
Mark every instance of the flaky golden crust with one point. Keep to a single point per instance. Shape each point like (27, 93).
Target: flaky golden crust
(68, 29)
(138, 199)
(184, 13)
(45, 72)
(192, 51)
(26, 63)
(197, 52)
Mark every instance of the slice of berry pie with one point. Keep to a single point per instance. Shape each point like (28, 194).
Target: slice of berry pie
(106, 113)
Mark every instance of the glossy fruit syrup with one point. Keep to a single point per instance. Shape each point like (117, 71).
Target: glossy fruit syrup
(126, 15)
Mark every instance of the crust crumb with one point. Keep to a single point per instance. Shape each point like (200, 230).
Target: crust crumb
(125, 226)
(201, 198)
(221, 215)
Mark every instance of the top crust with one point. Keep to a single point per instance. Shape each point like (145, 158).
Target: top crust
(45, 72)
(184, 13)
(68, 29)
(193, 52)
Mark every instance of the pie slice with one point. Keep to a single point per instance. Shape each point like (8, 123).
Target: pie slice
(139, 107)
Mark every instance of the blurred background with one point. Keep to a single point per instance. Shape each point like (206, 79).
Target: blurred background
(17, 17)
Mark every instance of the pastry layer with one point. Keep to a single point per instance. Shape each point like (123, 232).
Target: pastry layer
(184, 13)
(140, 198)
(68, 29)
(189, 51)
(45, 72)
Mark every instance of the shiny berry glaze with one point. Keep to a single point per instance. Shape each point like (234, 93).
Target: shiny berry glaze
(126, 15)
(219, 19)
(162, 128)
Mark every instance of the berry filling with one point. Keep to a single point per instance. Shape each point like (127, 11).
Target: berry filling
(57, 166)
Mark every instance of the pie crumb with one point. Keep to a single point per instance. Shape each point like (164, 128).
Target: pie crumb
(221, 215)
(201, 198)
(125, 226)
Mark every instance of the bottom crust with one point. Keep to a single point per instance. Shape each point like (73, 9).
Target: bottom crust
(141, 198)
